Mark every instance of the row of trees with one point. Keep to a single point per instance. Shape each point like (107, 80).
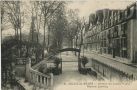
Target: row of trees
(11, 13)
(41, 12)
(50, 18)
(12, 16)
(60, 23)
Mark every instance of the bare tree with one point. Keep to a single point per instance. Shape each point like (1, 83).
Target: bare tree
(37, 12)
(2, 17)
(74, 25)
(59, 24)
(48, 8)
(13, 9)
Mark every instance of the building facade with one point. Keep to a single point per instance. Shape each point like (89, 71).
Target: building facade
(115, 35)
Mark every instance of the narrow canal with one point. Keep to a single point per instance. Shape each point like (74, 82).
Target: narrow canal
(70, 74)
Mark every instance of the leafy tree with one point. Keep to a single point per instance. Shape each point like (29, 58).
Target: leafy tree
(72, 25)
(57, 27)
(43, 11)
(75, 25)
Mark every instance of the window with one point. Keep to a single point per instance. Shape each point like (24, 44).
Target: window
(117, 47)
(124, 47)
(119, 30)
(121, 16)
(124, 30)
(125, 14)
(128, 11)
(118, 16)
(38, 78)
(112, 32)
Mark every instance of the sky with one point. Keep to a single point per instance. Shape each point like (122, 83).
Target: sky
(86, 7)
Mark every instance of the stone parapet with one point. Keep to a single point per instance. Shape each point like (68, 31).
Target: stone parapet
(37, 78)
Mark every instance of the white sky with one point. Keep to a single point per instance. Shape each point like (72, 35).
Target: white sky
(86, 7)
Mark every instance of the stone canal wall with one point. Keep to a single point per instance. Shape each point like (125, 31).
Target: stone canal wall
(110, 72)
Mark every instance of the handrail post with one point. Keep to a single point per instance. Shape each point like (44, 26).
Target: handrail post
(51, 79)
(28, 65)
(44, 80)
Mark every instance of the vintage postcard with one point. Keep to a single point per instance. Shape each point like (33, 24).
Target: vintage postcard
(68, 44)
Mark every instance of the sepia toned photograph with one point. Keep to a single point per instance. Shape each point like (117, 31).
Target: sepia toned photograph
(68, 44)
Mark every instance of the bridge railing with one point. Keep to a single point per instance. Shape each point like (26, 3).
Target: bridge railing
(37, 78)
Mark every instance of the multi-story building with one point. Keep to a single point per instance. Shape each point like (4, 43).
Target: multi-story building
(115, 35)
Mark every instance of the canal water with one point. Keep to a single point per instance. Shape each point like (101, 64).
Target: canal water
(70, 75)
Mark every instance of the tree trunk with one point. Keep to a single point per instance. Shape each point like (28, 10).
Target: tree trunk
(37, 29)
(1, 36)
(71, 43)
(20, 34)
(32, 35)
(20, 40)
(48, 39)
(44, 37)
(17, 34)
(76, 45)
(38, 37)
